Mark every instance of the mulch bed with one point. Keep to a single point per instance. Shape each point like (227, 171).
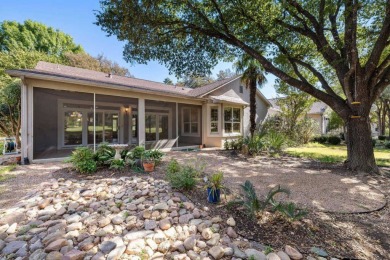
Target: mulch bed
(277, 231)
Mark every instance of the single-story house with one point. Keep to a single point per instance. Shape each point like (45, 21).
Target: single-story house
(318, 112)
(65, 107)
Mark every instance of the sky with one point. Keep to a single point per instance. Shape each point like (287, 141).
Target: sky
(76, 18)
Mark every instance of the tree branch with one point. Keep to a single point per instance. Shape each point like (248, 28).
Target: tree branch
(380, 44)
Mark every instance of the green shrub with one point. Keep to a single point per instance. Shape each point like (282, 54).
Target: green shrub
(387, 145)
(182, 177)
(320, 139)
(117, 164)
(334, 139)
(83, 160)
(373, 142)
(253, 204)
(173, 166)
(137, 152)
(291, 211)
(226, 145)
(255, 144)
(274, 142)
(104, 154)
(155, 155)
(381, 137)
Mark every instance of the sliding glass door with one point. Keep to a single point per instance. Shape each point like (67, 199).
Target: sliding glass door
(106, 127)
(156, 127)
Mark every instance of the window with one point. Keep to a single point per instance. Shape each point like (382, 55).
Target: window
(232, 118)
(241, 89)
(214, 120)
(73, 128)
(190, 120)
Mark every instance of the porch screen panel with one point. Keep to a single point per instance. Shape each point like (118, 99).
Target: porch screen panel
(59, 122)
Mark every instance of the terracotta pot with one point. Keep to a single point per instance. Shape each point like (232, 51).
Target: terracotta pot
(18, 158)
(148, 166)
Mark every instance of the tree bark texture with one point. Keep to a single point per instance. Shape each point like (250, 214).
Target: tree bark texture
(252, 106)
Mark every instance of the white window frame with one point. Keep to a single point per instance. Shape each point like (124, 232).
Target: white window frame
(223, 119)
(209, 107)
(84, 112)
(182, 122)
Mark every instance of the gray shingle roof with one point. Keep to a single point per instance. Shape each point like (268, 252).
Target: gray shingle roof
(68, 72)
(318, 107)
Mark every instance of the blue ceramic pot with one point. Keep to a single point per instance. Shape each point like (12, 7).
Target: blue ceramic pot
(213, 196)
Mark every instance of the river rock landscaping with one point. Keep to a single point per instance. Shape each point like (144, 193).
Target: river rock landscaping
(122, 218)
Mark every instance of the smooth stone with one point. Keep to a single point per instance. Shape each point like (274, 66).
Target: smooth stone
(116, 253)
(292, 252)
(217, 252)
(56, 245)
(107, 246)
(231, 222)
(273, 256)
(283, 256)
(54, 256)
(13, 246)
(74, 254)
(37, 255)
(256, 255)
(189, 243)
(150, 224)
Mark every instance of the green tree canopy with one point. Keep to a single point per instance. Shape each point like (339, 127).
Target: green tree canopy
(35, 36)
(193, 81)
(225, 74)
(311, 45)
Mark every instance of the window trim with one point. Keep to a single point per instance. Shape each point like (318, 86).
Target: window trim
(210, 107)
(231, 122)
(182, 122)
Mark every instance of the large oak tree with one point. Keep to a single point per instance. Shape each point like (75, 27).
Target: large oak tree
(313, 46)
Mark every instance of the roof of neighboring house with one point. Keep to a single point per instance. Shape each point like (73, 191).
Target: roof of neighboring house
(57, 71)
(318, 107)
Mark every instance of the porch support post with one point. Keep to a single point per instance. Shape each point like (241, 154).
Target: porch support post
(23, 148)
(204, 123)
(141, 122)
(177, 124)
(94, 122)
(30, 118)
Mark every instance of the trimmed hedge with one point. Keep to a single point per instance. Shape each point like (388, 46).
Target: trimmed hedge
(320, 139)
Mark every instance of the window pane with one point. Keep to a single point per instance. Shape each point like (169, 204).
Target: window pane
(99, 127)
(214, 114)
(163, 128)
(228, 127)
(186, 115)
(73, 128)
(214, 127)
(194, 128)
(134, 125)
(194, 115)
(236, 115)
(150, 127)
(228, 113)
(186, 128)
(111, 127)
(236, 128)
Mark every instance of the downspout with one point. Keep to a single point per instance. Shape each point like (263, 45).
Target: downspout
(94, 122)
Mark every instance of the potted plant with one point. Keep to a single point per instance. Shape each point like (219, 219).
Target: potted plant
(148, 162)
(214, 187)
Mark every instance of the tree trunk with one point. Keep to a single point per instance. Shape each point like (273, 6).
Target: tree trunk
(252, 106)
(359, 145)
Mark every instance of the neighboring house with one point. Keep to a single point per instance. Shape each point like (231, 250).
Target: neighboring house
(318, 112)
(59, 104)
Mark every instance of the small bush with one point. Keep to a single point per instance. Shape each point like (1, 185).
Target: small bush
(117, 164)
(387, 145)
(137, 152)
(83, 160)
(334, 139)
(291, 211)
(183, 177)
(320, 139)
(104, 154)
(173, 167)
(255, 144)
(381, 137)
(274, 142)
(373, 142)
(226, 145)
(155, 155)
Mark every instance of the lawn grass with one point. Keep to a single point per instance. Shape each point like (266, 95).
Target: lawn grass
(334, 153)
(4, 170)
